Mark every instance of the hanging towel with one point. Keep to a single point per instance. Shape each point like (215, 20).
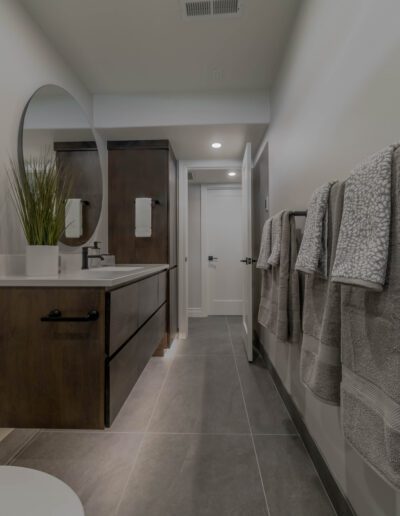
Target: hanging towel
(276, 239)
(265, 246)
(313, 250)
(370, 391)
(362, 250)
(73, 218)
(143, 209)
(320, 366)
(279, 309)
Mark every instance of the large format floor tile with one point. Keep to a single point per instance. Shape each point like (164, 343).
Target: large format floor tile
(136, 412)
(193, 475)
(266, 410)
(201, 394)
(14, 442)
(291, 483)
(203, 344)
(236, 333)
(95, 465)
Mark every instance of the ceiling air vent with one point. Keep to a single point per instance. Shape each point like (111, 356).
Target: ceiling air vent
(208, 8)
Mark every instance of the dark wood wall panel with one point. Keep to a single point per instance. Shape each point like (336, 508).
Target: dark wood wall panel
(81, 162)
(137, 172)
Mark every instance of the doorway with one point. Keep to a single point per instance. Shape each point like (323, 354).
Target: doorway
(215, 293)
(215, 249)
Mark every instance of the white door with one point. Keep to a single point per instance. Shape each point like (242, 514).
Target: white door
(223, 249)
(246, 258)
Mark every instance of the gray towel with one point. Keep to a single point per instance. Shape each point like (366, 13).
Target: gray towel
(370, 391)
(265, 246)
(320, 367)
(279, 309)
(362, 250)
(276, 239)
(313, 250)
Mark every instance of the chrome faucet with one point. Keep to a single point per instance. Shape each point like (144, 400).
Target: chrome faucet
(86, 255)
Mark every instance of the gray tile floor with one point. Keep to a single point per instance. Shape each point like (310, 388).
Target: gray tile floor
(203, 433)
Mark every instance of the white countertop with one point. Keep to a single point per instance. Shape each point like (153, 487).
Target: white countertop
(97, 277)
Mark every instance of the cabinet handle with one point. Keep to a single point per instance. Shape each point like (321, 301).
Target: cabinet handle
(56, 316)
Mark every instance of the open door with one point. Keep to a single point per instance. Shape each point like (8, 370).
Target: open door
(247, 253)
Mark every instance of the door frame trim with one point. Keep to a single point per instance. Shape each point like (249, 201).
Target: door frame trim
(205, 306)
(183, 183)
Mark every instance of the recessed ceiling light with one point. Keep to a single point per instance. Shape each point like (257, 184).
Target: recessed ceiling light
(216, 145)
(232, 174)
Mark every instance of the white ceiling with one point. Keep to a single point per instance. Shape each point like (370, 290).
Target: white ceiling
(131, 46)
(194, 142)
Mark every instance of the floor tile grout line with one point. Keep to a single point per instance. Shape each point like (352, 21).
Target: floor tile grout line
(248, 421)
(303, 444)
(141, 432)
(22, 447)
(146, 430)
(318, 475)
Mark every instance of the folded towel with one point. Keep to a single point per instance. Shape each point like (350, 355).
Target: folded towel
(370, 390)
(313, 250)
(265, 246)
(276, 239)
(320, 366)
(279, 309)
(362, 250)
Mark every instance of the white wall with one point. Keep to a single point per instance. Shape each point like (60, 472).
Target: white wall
(194, 247)
(249, 107)
(28, 61)
(337, 100)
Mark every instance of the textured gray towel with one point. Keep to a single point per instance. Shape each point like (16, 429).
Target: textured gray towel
(312, 256)
(265, 246)
(362, 250)
(370, 391)
(276, 239)
(320, 367)
(279, 309)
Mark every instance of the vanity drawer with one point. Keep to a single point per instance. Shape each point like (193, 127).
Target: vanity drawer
(125, 368)
(162, 288)
(124, 315)
(148, 298)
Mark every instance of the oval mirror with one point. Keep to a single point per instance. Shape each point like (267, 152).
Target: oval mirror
(54, 125)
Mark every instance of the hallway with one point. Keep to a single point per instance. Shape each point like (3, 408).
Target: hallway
(202, 433)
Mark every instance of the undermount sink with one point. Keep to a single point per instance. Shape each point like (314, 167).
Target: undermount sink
(112, 268)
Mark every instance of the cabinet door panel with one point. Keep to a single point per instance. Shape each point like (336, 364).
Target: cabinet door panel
(148, 298)
(162, 287)
(124, 315)
(173, 305)
(51, 373)
(126, 367)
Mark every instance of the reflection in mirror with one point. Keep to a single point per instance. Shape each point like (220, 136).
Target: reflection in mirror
(54, 123)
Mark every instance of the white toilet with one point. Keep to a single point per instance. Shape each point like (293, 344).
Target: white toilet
(25, 491)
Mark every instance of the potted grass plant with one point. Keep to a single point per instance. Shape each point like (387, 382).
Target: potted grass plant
(40, 190)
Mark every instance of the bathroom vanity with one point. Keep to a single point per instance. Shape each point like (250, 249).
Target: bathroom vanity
(73, 347)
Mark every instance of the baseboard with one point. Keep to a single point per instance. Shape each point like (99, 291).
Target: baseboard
(195, 312)
(339, 501)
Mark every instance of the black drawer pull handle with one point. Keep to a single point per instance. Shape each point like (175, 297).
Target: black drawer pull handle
(56, 316)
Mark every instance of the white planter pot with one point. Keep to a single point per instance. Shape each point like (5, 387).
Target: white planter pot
(42, 260)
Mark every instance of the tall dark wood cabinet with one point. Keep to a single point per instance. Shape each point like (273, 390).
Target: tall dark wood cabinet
(145, 168)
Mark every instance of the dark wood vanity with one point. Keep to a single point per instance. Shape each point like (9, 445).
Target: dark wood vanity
(61, 373)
